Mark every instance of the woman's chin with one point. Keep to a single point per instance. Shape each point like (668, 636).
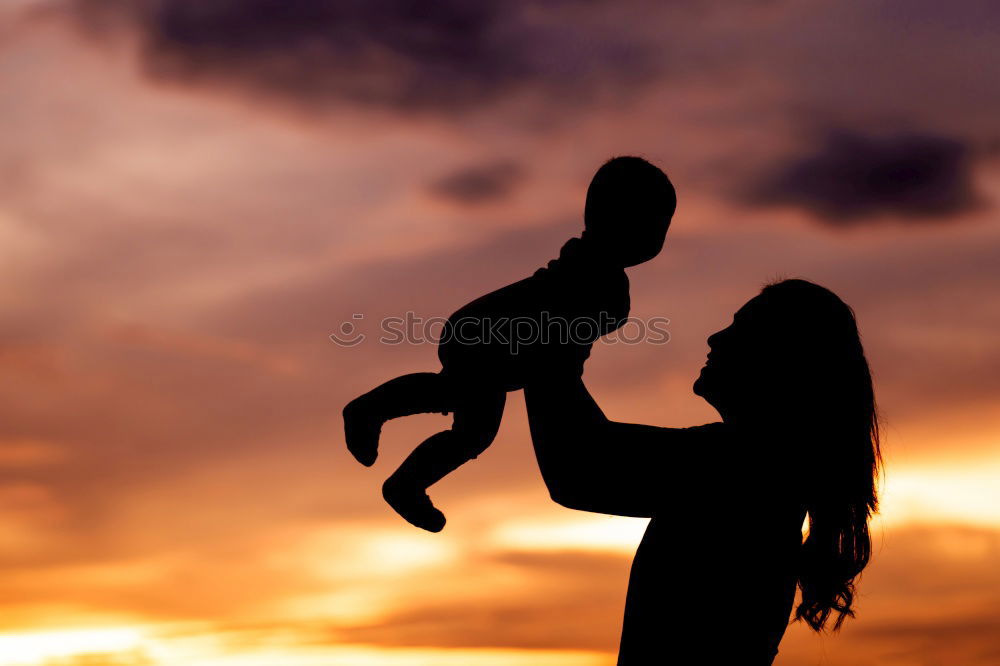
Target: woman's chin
(700, 384)
(707, 383)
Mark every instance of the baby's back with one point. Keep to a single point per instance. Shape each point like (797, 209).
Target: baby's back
(575, 300)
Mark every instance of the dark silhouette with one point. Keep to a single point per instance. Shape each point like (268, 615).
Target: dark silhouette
(579, 297)
(715, 576)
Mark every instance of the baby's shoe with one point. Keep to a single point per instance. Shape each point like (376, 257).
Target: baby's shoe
(413, 504)
(362, 428)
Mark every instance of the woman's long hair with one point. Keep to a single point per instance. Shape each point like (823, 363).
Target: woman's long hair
(836, 425)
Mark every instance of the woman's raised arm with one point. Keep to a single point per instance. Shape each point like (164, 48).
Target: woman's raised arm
(590, 463)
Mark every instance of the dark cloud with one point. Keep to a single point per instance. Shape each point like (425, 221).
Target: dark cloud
(447, 54)
(854, 177)
(480, 184)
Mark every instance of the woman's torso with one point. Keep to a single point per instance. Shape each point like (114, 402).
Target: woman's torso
(713, 580)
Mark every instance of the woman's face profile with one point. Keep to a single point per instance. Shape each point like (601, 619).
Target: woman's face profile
(739, 359)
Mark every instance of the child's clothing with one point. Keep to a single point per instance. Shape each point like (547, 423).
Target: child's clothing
(577, 298)
(487, 349)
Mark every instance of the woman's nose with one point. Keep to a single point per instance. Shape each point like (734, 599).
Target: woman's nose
(714, 339)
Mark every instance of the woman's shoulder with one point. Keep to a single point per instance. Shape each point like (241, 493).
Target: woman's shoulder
(693, 436)
(715, 431)
(713, 443)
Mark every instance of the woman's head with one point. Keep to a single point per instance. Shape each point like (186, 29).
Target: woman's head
(794, 344)
(792, 362)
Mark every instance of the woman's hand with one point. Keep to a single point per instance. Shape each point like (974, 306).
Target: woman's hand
(556, 360)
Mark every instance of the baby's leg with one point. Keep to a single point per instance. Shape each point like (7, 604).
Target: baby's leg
(418, 393)
(477, 419)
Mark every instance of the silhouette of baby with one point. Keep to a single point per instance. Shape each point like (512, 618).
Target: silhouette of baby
(489, 346)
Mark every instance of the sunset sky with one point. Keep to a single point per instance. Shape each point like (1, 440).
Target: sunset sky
(194, 195)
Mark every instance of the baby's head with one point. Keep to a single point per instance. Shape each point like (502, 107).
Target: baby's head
(629, 206)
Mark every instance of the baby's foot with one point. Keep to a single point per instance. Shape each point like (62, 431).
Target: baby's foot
(361, 432)
(413, 504)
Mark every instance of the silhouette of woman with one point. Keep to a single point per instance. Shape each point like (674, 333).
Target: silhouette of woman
(714, 579)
